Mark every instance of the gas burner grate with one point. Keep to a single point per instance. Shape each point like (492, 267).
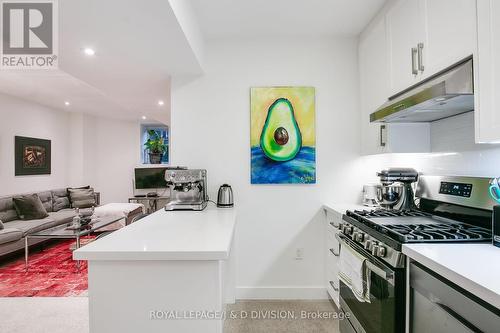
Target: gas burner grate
(441, 231)
(390, 213)
(437, 231)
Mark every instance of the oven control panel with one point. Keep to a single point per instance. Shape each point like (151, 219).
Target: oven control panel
(456, 189)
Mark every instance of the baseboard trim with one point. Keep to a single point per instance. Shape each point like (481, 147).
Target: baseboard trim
(304, 293)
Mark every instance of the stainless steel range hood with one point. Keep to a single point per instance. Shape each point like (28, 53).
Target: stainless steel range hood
(446, 94)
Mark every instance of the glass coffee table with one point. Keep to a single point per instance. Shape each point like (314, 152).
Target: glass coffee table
(64, 231)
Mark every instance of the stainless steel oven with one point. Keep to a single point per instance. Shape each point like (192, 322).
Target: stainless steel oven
(385, 313)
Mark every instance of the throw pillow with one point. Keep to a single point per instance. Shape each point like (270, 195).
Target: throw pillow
(82, 198)
(29, 207)
(76, 188)
(1, 225)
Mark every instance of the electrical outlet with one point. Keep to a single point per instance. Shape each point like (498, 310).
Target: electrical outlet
(299, 253)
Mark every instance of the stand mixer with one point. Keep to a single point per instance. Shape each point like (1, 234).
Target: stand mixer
(396, 191)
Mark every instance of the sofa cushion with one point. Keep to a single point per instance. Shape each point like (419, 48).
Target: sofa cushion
(7, 209)
(60, 199)
(76, 188)
(31, 226)
(63, 216)
(46, 199)
(82, 198)
(29, 207)
(10, 235)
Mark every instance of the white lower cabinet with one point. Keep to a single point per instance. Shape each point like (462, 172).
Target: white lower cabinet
(333, 220)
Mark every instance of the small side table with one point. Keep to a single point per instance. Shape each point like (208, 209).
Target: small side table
(151, 203)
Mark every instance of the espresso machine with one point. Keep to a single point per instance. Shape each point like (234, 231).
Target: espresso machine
(188, 189)
(396, 190)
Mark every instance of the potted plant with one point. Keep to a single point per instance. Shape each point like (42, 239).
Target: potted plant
(156, 147)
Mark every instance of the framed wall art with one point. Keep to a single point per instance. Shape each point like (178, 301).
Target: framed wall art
(32, 156)
(283, 135)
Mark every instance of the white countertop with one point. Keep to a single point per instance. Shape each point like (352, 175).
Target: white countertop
(474, 267)
(178, 235)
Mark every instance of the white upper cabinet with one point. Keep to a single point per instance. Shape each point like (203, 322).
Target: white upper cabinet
(405, 30)
(487, 69)
(427, 36)
(411, 40)
(374, 84)
(377, 138)
(450, 33)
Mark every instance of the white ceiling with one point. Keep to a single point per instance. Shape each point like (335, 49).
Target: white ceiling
(138, 49)
(141, 45)
(283, 18)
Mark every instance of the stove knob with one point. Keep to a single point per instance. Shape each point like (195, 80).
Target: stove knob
(360, 236)
(375, 248)
(382, 251)
(368, 245)
(349, 230)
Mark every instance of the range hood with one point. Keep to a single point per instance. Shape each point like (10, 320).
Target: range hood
(446, 94)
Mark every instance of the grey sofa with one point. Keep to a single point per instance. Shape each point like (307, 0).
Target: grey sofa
(57, 204)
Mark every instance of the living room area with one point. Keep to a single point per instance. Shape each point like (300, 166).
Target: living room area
(58, 164)
(77, 125)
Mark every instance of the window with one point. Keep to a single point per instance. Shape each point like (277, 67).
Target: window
(163, 132)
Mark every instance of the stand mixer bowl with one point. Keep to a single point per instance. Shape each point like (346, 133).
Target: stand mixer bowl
(389, 194)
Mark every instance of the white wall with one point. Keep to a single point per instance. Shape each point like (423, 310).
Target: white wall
(211, 129)
(23, 118)
(110, 154)
(86, 150)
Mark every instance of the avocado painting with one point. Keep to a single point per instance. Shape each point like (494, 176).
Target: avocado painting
(283, 136)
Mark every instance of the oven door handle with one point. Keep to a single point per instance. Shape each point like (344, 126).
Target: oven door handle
(387, 276)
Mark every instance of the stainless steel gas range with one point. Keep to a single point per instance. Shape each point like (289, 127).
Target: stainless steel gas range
(450, 209)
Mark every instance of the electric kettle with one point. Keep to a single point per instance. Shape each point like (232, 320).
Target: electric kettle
(225, 197)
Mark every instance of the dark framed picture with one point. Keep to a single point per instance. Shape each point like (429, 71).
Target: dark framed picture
(32, 156)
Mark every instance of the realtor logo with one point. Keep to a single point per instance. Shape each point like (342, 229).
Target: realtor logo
(29, 38)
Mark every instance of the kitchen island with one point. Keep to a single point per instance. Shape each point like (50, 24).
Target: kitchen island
(169, 272)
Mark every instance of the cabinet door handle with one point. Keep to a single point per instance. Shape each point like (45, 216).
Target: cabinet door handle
(458, 317)
(333, 286)
(420, 57)
(382, 136)
(414, 69)
(333, 252)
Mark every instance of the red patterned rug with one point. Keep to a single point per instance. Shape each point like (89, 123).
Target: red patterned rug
(51, 273)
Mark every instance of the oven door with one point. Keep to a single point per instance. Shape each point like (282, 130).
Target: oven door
(385, 313)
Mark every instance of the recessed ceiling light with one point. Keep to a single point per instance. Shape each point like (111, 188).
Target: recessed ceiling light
(144, 118)
(89, 51)
(160, 103)
(66, 103)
